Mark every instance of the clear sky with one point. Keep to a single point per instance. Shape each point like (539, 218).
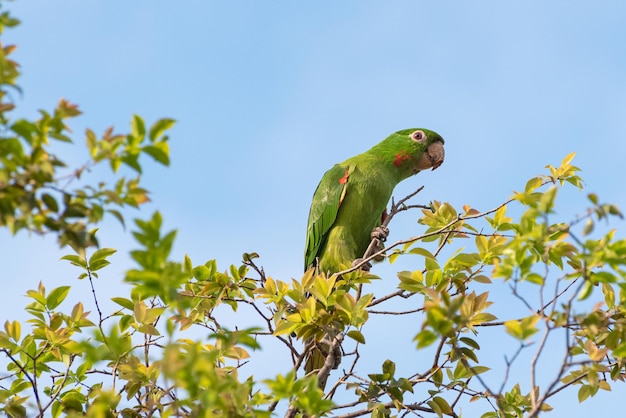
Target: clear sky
(268, 95)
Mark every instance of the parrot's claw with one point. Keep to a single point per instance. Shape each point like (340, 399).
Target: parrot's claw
(365, 267)
(378, 246)
(380, 233)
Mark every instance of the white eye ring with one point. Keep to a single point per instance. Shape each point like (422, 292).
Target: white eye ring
(418, 136)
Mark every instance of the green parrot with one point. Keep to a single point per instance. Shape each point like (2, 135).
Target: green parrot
(350, 200)
(350, 203)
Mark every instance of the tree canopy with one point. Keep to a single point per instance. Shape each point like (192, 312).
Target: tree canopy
(166, 349)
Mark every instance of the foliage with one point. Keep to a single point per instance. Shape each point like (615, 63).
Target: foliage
(35, 192)
(145, 358)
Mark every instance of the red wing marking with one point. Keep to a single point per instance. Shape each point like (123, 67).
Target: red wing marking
(344, 179)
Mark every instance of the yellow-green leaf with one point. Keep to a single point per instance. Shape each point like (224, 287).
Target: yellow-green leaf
(533, 184)
(356, 336)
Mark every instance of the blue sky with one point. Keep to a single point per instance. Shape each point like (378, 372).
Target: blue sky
(268, 95)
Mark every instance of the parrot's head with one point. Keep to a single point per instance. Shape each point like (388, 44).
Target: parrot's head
(417, 149)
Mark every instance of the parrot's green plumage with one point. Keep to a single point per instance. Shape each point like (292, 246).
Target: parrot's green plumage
(351, 198)
(350, 201)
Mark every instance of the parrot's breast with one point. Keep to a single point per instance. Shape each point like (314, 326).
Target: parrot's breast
(366, 198)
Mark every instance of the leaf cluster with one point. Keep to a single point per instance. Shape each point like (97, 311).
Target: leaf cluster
(39, 192)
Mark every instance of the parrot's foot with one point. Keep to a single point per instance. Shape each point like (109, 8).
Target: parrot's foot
(365, 267)
(380, 232)
(379, 235)
(378, 246)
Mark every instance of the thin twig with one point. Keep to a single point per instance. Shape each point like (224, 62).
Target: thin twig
(95, 299)
(33, 381)
(396, 312)
(444, 229)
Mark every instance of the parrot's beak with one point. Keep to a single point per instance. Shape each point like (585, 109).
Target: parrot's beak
(432, 157)
(436, 154)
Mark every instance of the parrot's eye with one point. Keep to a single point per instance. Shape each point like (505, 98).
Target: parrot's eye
(418, 136)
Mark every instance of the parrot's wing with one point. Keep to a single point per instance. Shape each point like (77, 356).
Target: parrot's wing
(324, 209)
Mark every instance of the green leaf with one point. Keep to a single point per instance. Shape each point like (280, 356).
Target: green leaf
(148, 329)
(101, 254)
(57, 296)
(323, 287)
(472, 343)
(159, 152)
(522, 329)
(425, 338)
(411, 281)
(138, 128)
(481, 278)
(159, 127)
(152, 314)
(125, 322)
(389, 369)
(356, 336)
(25, 129)
(546, 202)
(568, 159)
(586, 291)
(421, 251)
(75, 260)
(480, 369)
(131, 160)
(126, 303)
(50, 202)
(533, 184)
(393, 256)
(140, 310)
(187, 264)
(13, 330)
(609, 295)
(92, 142)
(117, 215)
(286, 327)
(57, 409)
(584, 392)
(98, 265)
(442, 405)
(534, 278)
